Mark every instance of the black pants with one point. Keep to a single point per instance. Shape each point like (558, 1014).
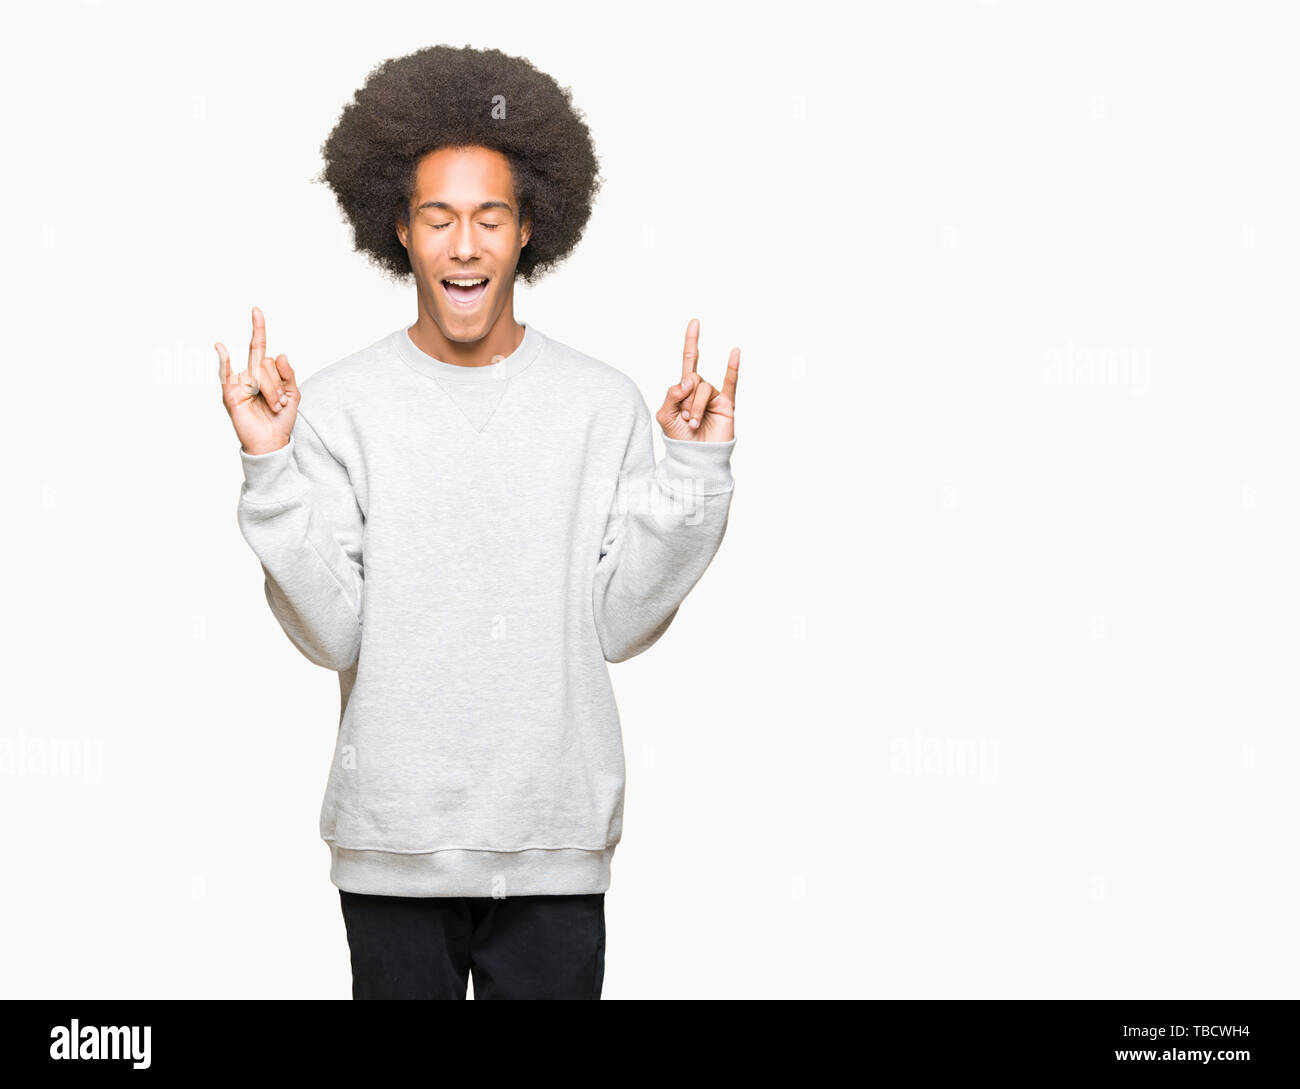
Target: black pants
(516, 946)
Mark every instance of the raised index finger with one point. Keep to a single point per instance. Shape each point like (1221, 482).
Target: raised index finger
(257, 346)
(691, 354)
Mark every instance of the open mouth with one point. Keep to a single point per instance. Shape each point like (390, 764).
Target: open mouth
(465, 291)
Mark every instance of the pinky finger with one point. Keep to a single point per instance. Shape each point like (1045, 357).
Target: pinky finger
(224, 370)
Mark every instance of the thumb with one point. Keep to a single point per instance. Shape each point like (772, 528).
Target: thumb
(286, 374)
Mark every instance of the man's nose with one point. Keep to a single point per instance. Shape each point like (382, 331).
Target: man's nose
(462, 243)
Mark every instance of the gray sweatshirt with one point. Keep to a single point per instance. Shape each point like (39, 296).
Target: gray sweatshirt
(467, 547)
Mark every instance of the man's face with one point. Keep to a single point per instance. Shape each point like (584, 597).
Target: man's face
(464, 225)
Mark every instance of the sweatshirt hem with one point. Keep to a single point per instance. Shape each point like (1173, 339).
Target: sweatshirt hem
(697, 467)
(272, 479)
(547, 871)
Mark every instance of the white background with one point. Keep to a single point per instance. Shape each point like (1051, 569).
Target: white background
(991, 689)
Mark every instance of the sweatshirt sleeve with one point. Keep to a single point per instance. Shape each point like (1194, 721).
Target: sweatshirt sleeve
(299, 514)
(664, 527)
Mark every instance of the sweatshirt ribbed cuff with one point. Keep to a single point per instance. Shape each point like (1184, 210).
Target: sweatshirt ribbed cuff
(271, 478)
(703, 468)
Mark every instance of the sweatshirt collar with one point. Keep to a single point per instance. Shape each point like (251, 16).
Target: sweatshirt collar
(502, 369)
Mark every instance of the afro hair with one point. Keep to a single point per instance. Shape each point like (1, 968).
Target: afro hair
(441, 96)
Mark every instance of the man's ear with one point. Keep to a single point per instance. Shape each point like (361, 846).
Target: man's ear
(401, 229)
(525, 232)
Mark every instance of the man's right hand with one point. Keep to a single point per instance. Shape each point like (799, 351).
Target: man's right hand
(262, 400)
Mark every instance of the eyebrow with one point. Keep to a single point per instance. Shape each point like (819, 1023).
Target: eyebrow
(478, 208)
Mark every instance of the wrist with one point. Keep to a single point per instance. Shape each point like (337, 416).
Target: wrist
(258, 449)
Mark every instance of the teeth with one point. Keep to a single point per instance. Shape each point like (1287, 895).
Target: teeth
(468, 283)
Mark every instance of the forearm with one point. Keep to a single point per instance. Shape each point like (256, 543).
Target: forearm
(670, 526)
(313, 585)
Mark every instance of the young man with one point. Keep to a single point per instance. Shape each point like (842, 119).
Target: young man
(465, 521)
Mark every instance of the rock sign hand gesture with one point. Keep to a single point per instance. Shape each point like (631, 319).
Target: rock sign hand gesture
(693, 409)
(263, 400)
